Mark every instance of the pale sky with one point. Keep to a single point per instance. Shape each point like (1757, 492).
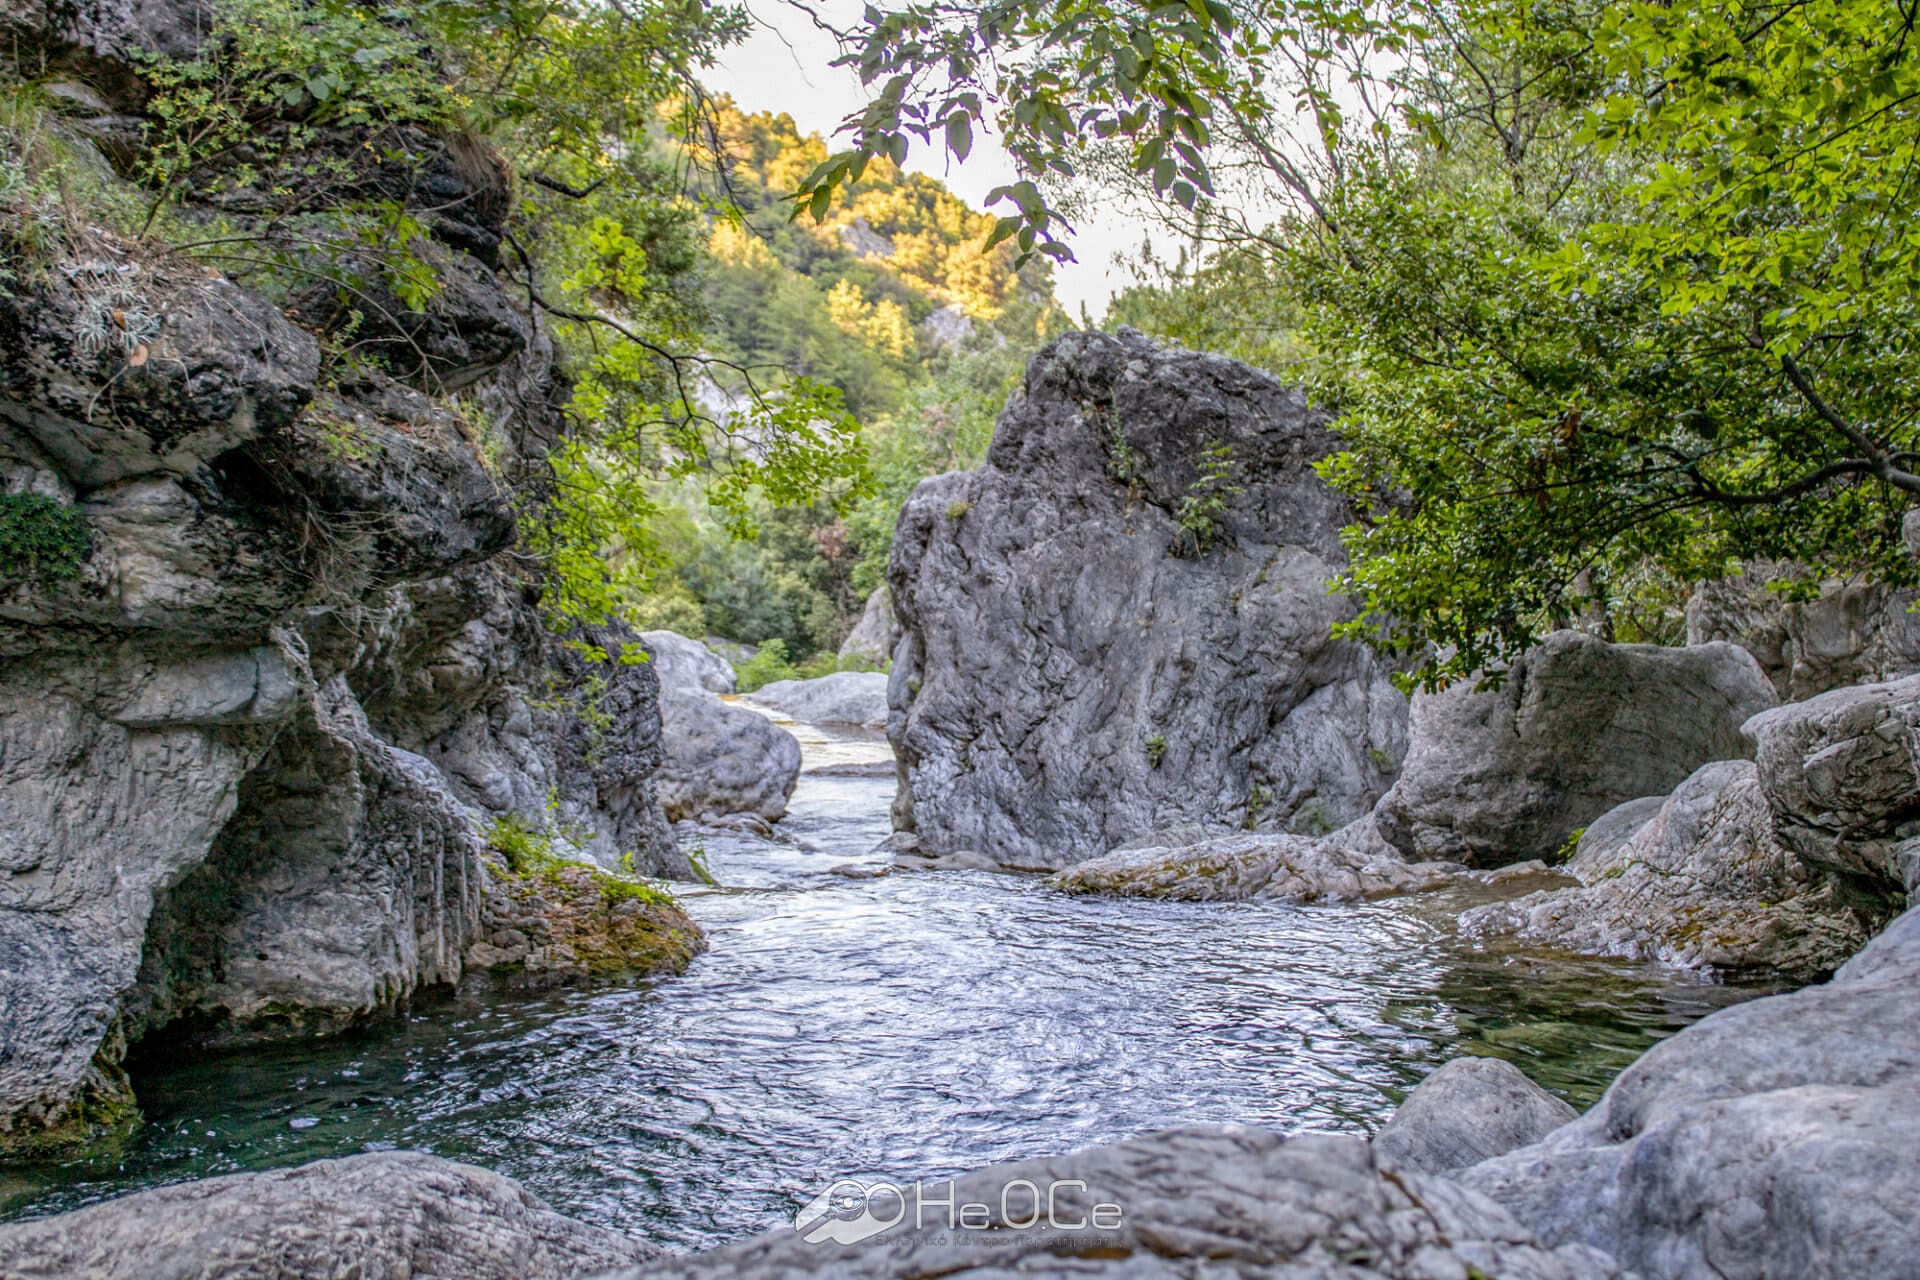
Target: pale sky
(785, 66)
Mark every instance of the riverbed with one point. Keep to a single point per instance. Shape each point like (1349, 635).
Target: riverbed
(845, 1022)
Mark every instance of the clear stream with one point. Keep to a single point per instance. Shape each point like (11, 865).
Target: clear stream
(902, 1026)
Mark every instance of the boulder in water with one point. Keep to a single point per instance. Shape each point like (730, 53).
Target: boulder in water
(1121, 622)
(874, 636)
(844, 697)
(682, 663)
(1469, 1110)
(723, 759)
(1576, 727)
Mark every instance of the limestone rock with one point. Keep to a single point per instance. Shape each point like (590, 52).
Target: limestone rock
(1344, 867)
(1779, 1138)
(1704, 883)
(1851, 633)
(1469, 1110)
(388, 1216)
(873, 637)
(723, 759)
(1215, 1201)
(844, 697)
(682, 663)
(1577, 727)
(1079, 667)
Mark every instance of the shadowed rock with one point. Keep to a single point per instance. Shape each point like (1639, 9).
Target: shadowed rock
(1469, 1110)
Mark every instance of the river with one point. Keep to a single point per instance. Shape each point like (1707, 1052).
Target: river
(900, 1025)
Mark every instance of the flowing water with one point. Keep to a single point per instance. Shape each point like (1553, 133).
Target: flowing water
(906, 1025)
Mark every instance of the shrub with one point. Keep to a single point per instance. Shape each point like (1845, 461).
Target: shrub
(42, 541)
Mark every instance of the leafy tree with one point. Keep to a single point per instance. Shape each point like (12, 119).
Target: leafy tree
(1603, 289)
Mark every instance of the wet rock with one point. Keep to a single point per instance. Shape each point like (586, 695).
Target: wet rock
(681, 663)
(1578, 727)
(1345, 867)
(563, 923)
(873, 638)
(1079, 667)
(845, 697)
(1851, 633)
(1705, 883)
(386, 1216)
(1469, 1110)
(1225, 1200)
(1778, 1138)
(723, 759)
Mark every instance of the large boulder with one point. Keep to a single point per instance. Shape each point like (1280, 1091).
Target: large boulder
(1704, 883)
(683, 663)
(1469, 1110)
(722, 759)
(1121, 622)
(844, 697)
(1576, 727)
(1850, 633)
(873, 637)
(388, 1216)
(1215, 1201)
(1776, 1139)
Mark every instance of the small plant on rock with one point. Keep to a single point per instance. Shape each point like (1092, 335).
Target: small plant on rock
(1156, 749)
(1206, 500)
(42, 541)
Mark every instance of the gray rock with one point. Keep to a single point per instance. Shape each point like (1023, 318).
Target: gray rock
(722, 759)
(1606, 833)
(845, 697)
(1349, 866)
(1578, 727)
(1705, 883)
(873, 637)
(681, 663)
(1200, 1202)
(1078, 667)
(1469, 1110)
(1776, 1139)
(390, 1216)
(1850, 633)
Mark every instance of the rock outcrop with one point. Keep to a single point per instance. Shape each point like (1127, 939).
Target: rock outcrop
(1121, 622)
(1470, 1110)
(844, 697)
(873, 638)
(1850, 633)
(388, 1216)
(273, 677)
(1778, 1138)
(720, 759)
(1577, 727)
(683, 663)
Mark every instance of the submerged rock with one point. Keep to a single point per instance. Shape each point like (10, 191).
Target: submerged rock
(1121, 622)
(388, 1216)
(1577, 727)
(1469, 1110)
(845, 697)
(723, 759)
(681, 663)
(1778, 1138)
(1350, 866)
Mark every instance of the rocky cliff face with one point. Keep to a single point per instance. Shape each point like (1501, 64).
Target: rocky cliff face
(260, 700)
(1120, 623)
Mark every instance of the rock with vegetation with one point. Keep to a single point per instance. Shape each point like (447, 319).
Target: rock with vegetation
(681, 663)
(873, 637)
(1121, 623)
(1848, 633)
(1777, 1138)
(1576, 727)
(1352, 865)
(1705, 883)
(720, 759)
(1225, 1200)
(1469, 1110)
(844, 697)
(385, 1216)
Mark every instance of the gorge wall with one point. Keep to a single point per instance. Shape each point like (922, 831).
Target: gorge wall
(260, 699)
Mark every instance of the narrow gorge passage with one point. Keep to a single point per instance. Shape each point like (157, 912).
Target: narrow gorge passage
(846, 1023)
